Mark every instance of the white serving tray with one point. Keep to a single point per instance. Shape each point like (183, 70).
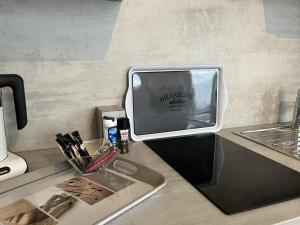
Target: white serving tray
(166, 102)
(89, 199)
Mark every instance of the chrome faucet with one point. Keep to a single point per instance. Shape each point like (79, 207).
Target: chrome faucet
(296, 116)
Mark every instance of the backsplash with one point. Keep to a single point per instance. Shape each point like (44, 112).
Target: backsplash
(261, 69)
(56, 30)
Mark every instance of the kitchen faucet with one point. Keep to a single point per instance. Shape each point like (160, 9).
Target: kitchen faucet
(296, 116)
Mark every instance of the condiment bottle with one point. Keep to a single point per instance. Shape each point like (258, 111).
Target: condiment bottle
(110, 129)
(123, 132)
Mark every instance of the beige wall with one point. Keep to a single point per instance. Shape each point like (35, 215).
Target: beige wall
(261, 70)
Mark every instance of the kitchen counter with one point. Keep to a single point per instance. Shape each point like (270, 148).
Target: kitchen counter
(179, 203)
(40, 163)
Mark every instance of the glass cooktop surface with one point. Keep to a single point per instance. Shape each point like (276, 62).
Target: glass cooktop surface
(233, 177)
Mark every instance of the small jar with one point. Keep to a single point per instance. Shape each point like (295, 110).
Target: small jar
(123, 133)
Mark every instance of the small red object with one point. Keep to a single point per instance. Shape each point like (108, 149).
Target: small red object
(101, 161)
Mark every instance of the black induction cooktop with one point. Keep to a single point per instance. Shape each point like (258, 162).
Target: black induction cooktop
(234, 178)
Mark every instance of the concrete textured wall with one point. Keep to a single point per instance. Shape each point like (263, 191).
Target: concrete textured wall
(283, 18)
(41, 30)
(261, 67)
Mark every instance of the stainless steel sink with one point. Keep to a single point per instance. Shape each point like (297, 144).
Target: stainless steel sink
(280, 138)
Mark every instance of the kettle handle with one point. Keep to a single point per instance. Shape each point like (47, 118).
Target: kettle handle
(16, 83)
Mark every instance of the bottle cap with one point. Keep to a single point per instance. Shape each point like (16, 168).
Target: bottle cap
(123, 123)
(109, 118)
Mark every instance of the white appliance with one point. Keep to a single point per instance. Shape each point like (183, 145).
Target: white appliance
(12, 165)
